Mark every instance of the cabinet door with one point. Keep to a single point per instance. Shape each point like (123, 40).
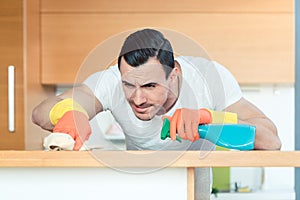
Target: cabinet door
(250, 38)
(11, 54)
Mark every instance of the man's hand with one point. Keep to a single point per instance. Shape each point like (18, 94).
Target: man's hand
(76, 124)
(185, 121)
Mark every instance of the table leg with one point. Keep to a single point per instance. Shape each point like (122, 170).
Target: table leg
(190, 183)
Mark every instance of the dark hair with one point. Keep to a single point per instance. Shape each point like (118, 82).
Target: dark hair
(143, 44)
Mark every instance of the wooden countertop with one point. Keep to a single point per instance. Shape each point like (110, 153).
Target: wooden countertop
(149, 158)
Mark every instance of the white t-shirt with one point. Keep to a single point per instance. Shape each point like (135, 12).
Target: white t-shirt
(206, 84)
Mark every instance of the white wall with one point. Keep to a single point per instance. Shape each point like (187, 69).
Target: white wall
(277, 102)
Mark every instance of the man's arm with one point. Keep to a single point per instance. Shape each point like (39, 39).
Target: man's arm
(266, 132)
(82, 95)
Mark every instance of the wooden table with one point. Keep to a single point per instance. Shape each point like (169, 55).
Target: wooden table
(183, 160)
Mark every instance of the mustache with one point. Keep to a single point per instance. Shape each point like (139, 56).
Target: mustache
(143, 105)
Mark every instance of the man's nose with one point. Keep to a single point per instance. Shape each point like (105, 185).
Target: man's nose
(138, 97)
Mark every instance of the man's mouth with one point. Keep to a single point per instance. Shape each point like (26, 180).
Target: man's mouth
(141, 109)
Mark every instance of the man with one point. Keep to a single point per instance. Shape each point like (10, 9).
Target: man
(147, 84)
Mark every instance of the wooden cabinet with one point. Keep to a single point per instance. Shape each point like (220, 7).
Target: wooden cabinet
(253, 39)
(11, 53)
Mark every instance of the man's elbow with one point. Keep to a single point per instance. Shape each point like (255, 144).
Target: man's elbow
(276, 144)
(268, 143)
(275, 141)
(273, 144)
(36, 116)
(38, 119)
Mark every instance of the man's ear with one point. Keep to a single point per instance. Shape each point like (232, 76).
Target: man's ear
(174, 74)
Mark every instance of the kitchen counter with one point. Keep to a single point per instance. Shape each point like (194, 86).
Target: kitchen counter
(169, 174)
(149, 158)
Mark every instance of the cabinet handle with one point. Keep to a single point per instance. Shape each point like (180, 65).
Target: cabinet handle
(11, 98)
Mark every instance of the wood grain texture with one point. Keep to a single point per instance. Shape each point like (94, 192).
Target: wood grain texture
(150, 159)
(35, 93)
(255, 47)
(190, 183)
(11, 53)
(166, 6)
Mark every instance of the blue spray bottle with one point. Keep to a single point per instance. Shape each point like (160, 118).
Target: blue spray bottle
(231, 136)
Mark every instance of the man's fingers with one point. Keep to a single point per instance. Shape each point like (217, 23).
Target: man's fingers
(187, 132)
(173, 124)
(195, 130)
(78, 144)
(180, 127)
(185, 124)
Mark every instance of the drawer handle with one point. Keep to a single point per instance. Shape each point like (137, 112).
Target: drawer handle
(11, 98)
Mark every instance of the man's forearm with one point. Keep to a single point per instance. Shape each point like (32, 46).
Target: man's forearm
(40, 114)
(266, 133)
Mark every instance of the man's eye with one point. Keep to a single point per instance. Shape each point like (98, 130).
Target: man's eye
(128, 85)
(150, 85)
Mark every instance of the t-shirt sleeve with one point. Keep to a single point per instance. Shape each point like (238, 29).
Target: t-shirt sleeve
(231, 89)
(102, 84)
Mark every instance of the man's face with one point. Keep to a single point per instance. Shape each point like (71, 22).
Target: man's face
(146, 88)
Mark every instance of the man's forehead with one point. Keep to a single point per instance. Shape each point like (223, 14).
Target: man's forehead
(144, 69)
(143, 75)
(140, 74)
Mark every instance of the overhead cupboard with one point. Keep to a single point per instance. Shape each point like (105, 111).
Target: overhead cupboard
(253, 39)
